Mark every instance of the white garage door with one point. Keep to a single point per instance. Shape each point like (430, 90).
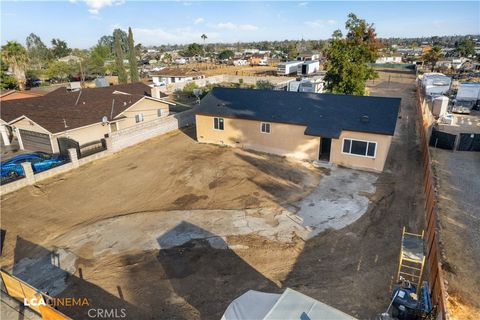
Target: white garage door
(36, 141)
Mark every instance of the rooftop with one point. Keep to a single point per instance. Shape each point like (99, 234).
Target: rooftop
(77, 109)
(324, 115)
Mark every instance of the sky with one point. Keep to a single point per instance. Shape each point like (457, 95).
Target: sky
(82, 22)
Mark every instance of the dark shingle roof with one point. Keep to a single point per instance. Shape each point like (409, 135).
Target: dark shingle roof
(324, 115)
(50, 110)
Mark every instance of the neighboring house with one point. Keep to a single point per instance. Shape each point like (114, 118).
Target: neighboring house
(85, 116)
(352, 131)
(70, 58)
(308, 56)
(455, 63)
(5, 131)
(258, 59)
(389, 59)
(175, 75)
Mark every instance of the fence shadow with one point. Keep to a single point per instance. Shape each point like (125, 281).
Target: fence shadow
(53, 273)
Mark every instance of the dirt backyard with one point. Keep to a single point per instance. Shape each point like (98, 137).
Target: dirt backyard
(173, 229)
(458, 175)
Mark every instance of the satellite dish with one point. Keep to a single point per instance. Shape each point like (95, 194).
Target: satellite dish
(104, 120)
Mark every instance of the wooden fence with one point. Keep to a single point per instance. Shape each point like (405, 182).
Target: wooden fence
(435, 272)
(23, 292)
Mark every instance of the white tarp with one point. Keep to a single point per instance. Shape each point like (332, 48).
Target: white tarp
(468, 91)
(251, 305)
(292, 305)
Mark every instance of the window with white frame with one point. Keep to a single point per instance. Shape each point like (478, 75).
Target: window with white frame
(265, 127)
(161, 112)
(139, 117)
(218, 123)
(360, 147)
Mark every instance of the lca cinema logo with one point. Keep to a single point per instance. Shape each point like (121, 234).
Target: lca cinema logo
(56, 302)
(93, 313)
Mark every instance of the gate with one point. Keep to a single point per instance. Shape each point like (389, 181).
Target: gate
(442, 140)
(469, 142)
(66, 143)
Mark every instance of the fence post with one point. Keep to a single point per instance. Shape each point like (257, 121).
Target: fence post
(72, 154)
(28, 170)
(109, 144)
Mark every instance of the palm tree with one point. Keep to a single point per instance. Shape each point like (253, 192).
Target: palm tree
(432, 56)
(204, 37)
(15, 55)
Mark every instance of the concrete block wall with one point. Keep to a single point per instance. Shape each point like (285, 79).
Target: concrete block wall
(200, 82)
(31, 178)
(227, 78)
(121, 139)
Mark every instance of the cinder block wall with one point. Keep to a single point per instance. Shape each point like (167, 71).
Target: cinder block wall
(141, 132)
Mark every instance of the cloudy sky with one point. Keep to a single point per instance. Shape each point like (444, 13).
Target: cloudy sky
(82, 22)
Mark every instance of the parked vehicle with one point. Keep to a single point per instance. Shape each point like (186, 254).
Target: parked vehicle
(287, 68)
(40, 161)
(263, 62)
(308, 67)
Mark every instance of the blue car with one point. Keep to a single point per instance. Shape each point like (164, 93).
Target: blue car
(40, 161)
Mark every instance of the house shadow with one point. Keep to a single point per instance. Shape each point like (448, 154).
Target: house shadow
(3, 234)
(204, 272)
(54, 274)
(190, 131)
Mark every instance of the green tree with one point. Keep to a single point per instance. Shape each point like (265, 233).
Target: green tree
(264, 85)
(226, 54)
(188, 88)
(193, 49)
(466, 48)
(61, 71)
(132, 59)
(432, 56)
(60, 48)
(348, 58)
(167, 58)
(96, 61)
(6, 81)
(108, 42)
(122, 74)
(38, 53)
(291, 52)
(15, 56)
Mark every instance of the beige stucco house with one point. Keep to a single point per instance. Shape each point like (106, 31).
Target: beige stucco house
(84, 116)
(351, 131)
